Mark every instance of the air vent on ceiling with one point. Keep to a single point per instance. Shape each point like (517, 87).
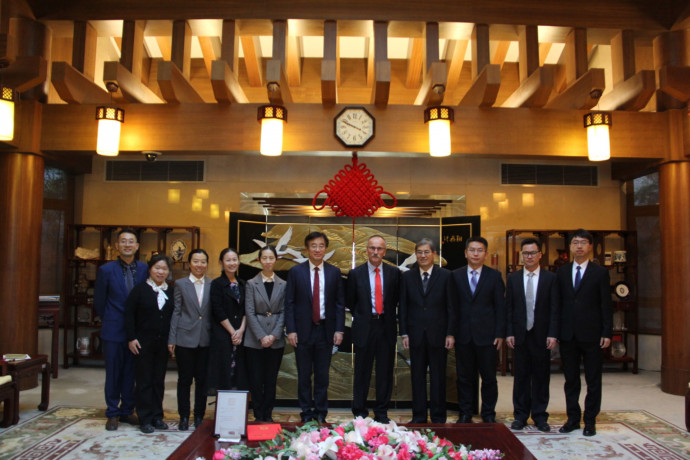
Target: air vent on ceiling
(157, 171)
(549, 174)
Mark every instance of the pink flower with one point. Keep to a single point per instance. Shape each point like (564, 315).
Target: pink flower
(349, 451)
(340, 430)
(403, 452)
(314, 436)
(325, 432)
(219, 455)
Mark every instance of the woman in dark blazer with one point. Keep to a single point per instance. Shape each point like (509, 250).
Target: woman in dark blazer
(265, 341)
(227, 326)
(148, 311)
(190, 336)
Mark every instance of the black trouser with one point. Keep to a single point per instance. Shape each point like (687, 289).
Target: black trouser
(532, 376)
(424, 355)
(150, 366)
(263, 366)
(314, 357)
(470, 358)
(593, 358)
(380, 349)
(192, 364)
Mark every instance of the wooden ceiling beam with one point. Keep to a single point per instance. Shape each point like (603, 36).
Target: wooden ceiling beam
(174, 86)
(622, 56)
(415, 63)
(230, 45)
(74, 87)
(528, 56)
(499, 52)
(330, 65)
(544, 49)
(484, 88)
(675, 81)
(25, 72)
(252, 60)
(480, 49)
(455, 59)
(434, 86)
(132, 51)
(276, 83)
(130, 87)
(578, 95)
(220, 129)
(293, 60)
(575, 55)
(533, 92)
(631, 94)
(84, 40)
(208, 51)
(380, 92)
(226, 87)
(181, 47)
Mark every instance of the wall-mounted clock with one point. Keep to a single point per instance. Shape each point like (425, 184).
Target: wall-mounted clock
(354, 126)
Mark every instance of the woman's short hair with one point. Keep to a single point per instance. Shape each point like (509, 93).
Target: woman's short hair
(225, 251)
(268, 247)
(155, 258)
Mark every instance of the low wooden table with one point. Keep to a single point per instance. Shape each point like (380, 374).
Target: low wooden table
(202, 444)
(25, 375)
(9, 396)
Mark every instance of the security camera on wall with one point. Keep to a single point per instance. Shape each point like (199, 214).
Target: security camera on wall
(150, 155)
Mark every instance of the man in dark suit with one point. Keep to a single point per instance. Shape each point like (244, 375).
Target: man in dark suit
(114, 281)
(190, 337)
(477, 291)
(427, 323)
(533, 322)
(373, 291)
(315, 321)
(586, 330)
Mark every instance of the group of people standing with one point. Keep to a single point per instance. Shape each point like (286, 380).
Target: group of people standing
(212, 326)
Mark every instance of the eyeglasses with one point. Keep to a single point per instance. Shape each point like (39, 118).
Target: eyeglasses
(375, 248)
(317, 246)
(423, 253)
(475, 250)
(530, 253)
(579, 242)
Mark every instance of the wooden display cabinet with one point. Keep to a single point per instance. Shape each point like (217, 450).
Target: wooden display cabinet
(609, 247)
(79, 316)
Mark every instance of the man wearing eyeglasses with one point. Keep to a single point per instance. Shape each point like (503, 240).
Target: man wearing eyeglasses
(477, 291)
(586, 330)
(532, 307)
(427, 322)
(373, 290)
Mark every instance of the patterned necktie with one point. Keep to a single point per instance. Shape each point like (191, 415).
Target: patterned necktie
(425, 281)
(578, 278)
(316, 301)
(378, 291)
(473, 281)
(529, 300)
(129, 278)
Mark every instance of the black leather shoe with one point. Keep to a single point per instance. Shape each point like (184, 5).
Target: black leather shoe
(111, 424)
(569, 426)
(517, 425)
(489, 419)
(307, 418)
(268, 419)
(417, 420)
(160, 425)
(130, 419)
(184, 424)
(543, 427)
(464, 419)
(382, 419)
(322, 419)
(148, 428)
(590, 430)
(198, 421)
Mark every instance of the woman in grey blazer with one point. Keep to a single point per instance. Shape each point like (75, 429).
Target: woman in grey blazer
(189, 336)
(264, 341)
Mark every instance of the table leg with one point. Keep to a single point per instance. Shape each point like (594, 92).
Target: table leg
(45, 387)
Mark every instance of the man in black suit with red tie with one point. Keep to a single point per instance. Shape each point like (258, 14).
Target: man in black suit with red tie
(533, 323)
(477, 291)
(314, 321)
(427, 322)
(586, 330)
(373, 290)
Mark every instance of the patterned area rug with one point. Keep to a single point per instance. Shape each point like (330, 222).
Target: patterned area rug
(75, 433)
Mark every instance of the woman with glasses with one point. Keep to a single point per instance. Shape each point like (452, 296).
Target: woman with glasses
(228, 325)
(264, 341)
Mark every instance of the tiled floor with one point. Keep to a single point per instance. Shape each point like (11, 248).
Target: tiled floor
(622, 390)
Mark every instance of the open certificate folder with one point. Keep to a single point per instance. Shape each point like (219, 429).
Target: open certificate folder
(231, 415)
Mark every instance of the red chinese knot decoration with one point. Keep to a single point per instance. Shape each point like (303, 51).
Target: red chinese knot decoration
(354, 192)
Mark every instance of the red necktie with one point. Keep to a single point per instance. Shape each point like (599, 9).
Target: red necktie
(378, 292)
(316, 301)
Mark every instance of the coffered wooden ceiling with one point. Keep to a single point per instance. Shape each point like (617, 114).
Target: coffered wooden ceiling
(388, 53)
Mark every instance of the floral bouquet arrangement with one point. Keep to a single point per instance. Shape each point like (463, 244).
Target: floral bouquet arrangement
(361, 438)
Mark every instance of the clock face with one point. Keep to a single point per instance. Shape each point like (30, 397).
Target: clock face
(622, 290)
(354, 126)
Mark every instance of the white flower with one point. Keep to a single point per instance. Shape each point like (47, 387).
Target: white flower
(386, 452)
(354, 436)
